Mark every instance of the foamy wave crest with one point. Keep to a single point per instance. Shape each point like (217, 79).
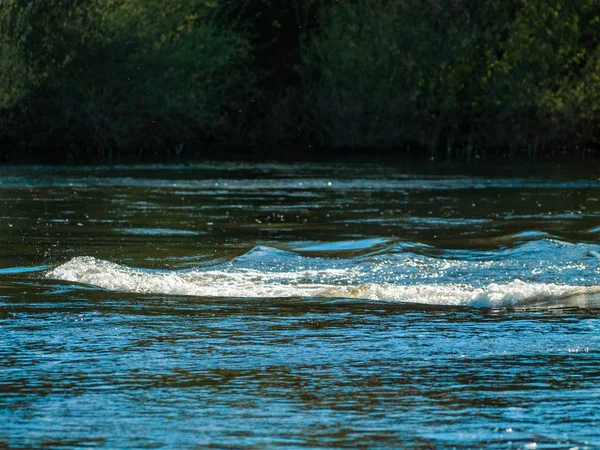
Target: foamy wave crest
(308, 283)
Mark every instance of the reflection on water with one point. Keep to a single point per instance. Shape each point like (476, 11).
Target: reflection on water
(298, 306)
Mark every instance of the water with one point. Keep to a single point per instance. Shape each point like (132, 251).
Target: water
(299, 306)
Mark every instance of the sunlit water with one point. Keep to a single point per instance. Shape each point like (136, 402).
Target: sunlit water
(299, 306)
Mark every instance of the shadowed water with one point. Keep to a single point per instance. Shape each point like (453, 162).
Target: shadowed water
(299, 306)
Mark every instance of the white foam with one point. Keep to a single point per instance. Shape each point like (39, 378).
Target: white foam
(305, 283)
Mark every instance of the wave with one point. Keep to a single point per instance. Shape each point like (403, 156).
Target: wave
(329, 282)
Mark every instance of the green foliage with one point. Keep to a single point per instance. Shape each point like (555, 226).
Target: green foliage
(15, 75)
(444, 74)
(124, 74)
(103, 77)
(543, 72)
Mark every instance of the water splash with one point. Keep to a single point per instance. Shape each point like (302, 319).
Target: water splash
(329, 282)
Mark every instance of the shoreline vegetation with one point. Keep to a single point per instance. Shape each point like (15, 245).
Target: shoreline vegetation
(107, 81)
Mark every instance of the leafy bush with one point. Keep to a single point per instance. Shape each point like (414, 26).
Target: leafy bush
(448, 75)
(120, 75)
(107, 77)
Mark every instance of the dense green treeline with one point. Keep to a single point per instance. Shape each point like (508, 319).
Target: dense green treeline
(108, 79)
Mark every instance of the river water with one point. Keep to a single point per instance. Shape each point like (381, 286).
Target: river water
(299, 306)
